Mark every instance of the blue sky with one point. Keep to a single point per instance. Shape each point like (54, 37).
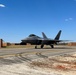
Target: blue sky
(19, 18)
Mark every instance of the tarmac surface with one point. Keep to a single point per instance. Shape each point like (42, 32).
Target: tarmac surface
(46, 52)
(14, 61)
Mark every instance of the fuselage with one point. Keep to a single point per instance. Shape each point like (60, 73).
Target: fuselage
(36, 40)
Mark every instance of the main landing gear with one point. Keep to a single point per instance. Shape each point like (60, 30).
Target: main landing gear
(42, 46)
(52, 46)
(36, 47)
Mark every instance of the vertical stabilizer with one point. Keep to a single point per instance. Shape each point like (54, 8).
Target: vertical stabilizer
(58, 35)
(44, 36)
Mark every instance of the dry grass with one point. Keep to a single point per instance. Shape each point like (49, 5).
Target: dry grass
(26, 46)
(20, 46)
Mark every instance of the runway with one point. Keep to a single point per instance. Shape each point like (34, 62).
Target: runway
(46, 52)
(17, 61)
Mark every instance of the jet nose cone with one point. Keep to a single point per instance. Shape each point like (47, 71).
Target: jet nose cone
(23, 39)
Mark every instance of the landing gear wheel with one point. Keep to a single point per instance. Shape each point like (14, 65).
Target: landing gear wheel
(42, 46)
(52, 46)
(35, 47)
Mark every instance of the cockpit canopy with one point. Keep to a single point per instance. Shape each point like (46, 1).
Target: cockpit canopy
(32, 35)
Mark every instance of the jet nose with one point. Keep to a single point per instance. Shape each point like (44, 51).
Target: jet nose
(25, 40)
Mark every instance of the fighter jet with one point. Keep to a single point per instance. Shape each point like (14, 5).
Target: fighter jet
(36, 40)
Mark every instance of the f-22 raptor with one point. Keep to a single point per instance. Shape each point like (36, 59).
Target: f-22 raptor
(36, 40)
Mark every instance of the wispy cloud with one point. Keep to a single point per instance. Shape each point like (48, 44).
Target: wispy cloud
(68, 19)
(1, 5)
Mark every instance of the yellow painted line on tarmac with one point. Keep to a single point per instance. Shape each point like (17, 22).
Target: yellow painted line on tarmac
(5, 56)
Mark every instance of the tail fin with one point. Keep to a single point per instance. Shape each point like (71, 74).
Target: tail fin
(58, 35)
(44, 36)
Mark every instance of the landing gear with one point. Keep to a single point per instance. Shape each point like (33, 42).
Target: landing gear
(52, 46)
(36, 47)
(42, 46)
